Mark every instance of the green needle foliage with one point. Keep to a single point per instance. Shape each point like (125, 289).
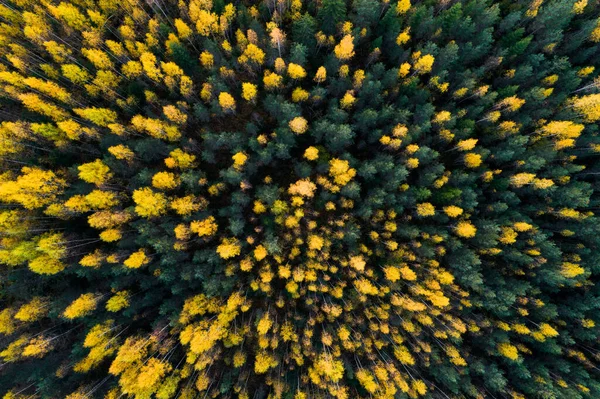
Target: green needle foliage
(293, 200)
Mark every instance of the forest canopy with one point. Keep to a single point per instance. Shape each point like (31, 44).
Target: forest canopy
(287, 199)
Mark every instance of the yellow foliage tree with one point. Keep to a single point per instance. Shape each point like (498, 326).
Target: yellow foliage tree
(136, 260)
(148, 203)
(588, 107)
(227, 102)
(228, 248)
(165, 181)
(96, 172)
(204, 228)
(425, 209)
(424, 64)
(465, 229)
(341, 171)
(32, 311)
(249, 91)
(81, 306)
(296, 71)
(402, 7)
(298, 125)
(345, 49)
(33, 188)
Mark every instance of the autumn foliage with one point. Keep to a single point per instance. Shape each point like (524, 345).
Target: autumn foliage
(299, 199)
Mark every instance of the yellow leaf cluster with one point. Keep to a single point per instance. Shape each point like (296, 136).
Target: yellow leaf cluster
(81, 306)
(148, 203)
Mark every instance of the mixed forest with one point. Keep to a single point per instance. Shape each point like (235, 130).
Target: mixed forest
(294, 199)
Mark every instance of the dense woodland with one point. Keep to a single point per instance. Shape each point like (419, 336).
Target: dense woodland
(299, 199)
